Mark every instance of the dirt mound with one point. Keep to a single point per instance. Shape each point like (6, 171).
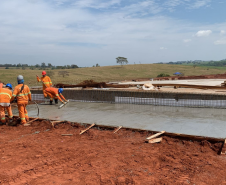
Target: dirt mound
(40, 154)
(91, 83)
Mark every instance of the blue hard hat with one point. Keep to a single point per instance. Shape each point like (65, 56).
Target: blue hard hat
(9, 85)
(60, 90)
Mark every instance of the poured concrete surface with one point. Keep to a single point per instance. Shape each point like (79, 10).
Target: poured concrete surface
(192, 121)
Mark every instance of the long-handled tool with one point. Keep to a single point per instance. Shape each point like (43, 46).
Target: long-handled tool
(37, 107)
(63, 104)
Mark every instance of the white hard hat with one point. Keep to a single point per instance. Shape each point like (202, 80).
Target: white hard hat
(20, 77)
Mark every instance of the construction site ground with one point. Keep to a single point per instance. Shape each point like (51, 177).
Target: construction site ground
(39, 154)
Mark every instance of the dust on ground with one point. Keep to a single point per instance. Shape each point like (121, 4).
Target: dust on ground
(39, 154)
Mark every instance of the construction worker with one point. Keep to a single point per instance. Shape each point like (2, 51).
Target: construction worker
(53, 92)
(23, 95)
(46, 82)
(1, 85)
(5, 96)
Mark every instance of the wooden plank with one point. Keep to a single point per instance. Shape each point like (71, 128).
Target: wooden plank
(117, 129)
(155, 135)
(29, 122)
(87, 129)
(156, 140)
(224, 148)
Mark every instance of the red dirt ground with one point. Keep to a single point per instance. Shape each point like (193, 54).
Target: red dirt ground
(39, 154)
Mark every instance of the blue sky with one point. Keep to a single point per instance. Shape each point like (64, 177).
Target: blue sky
(86, 32)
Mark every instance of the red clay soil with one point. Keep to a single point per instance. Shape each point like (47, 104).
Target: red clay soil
(39, 154)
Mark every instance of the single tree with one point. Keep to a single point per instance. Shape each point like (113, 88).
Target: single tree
(121, 60)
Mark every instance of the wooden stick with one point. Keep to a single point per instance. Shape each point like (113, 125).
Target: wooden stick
(223, 147)
(28, 123)
(67, 134)
(117, 129)
(155, 135)
(156, 140)
(87, 129)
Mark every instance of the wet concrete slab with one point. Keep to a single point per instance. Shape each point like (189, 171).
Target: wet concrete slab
(193, 121)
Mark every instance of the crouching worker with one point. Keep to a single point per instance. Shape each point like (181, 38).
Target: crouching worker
(23, 95)
(55, 93)
(5, 96)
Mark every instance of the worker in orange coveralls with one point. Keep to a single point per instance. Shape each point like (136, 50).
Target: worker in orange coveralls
(1, 85)
(46, 83)
(23, 95)
(55, 93)
(5, 96)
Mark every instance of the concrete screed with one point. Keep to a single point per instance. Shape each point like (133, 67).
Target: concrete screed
(192, 121)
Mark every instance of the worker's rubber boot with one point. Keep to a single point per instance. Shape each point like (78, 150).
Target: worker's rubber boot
(56, 101)
(12, 123)
(1, 123)
(51, 102)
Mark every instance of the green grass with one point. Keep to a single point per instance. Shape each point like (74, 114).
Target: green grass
(108, 73)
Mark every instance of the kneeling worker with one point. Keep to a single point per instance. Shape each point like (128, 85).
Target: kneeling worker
(23, 95)
(55, 93)
(5, 96)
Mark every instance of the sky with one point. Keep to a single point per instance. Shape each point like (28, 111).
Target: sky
(87, 32)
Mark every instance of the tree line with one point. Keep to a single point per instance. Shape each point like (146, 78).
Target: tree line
(39, 66)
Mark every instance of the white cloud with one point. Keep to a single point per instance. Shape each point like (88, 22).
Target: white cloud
(222, 32)
(96, 4)
(162, 48)
(200, 3)
(187, 40)
(203, 33)
(220, 42)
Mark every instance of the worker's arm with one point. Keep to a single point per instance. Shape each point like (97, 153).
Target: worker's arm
(15, 92)
(38, 79)
(57, 95)
(61, 95)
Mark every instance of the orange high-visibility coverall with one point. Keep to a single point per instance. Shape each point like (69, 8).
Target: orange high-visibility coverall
(52, 92)
(22, 101)
(46, 83)
(5, 96)
(1, 85)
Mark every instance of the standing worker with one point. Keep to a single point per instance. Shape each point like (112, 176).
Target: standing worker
(5, 96)
(53, 92)
(46, 83)
(23, 95)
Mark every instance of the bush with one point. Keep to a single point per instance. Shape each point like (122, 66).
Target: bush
(7, 68)
(163, 75)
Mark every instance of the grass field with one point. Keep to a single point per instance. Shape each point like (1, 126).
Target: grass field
(106, 73)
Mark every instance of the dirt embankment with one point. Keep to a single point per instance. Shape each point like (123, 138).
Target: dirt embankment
(91, 83)
(39, 154)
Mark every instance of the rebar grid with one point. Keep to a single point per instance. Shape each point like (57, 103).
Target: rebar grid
(143, 98)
